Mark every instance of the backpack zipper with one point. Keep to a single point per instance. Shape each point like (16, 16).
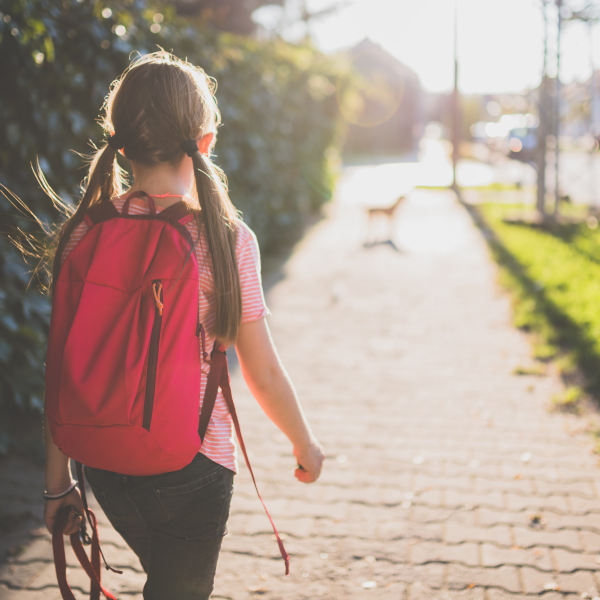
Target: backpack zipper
(153, 353)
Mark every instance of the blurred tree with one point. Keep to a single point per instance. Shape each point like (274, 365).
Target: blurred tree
(54, 72)
(226, 15)
(57, 60)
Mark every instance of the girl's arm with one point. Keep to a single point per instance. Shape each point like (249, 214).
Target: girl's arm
(272, 388)
(58, 479)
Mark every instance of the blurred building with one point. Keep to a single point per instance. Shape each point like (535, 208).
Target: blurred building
(385, 115)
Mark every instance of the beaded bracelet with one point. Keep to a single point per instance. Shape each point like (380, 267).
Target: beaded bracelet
(48, 496)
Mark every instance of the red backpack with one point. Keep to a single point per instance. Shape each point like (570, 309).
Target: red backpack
(123, 363)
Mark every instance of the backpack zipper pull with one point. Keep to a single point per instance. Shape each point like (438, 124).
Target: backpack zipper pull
(157, 289)
(200, 333)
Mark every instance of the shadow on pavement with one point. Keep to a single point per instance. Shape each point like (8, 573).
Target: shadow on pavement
(389, 243)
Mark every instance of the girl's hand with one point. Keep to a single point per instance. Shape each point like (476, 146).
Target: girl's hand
(52, 508)
(310, 461)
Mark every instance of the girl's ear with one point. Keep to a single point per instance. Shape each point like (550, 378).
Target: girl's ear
(205, 143)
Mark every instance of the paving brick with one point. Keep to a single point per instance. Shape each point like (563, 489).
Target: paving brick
(7, 593)
(583, 506)
(128, 582)
(571, 561)
(517, 502)
(21, 575)
(424, 592)
(589, 522)
(490, 517)
(456, 533)
(431, 574)
(565, 488)
(460, 577)
(527, 537)
(423, 481)
(580, 582)
(46, 580)
(459, 500)
(423, 514)
(519, 486)
(495, 594)
(538, 582)
(430, 497)
(39, 549)
(407, 530)
(299, 527)
(493, 556)
(425, 552)
(109, 537)
(591, 541)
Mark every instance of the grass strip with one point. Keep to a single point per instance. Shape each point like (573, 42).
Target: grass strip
(553, 274)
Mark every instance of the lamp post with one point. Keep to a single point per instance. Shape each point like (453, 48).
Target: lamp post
(591, 21)
(542, 131)
(557, 111)
(455, 104)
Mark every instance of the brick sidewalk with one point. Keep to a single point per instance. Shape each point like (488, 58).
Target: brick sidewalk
(447, 478)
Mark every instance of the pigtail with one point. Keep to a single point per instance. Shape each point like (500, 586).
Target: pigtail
(219, 218)
(104, 181)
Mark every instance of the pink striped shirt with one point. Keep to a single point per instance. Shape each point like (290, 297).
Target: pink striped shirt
(219, 443)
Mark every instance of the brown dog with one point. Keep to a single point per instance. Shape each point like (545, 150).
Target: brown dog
(386, 214)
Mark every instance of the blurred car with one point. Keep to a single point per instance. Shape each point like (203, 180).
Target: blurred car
(522, 144)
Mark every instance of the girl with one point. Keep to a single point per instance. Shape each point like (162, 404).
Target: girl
(153, 112)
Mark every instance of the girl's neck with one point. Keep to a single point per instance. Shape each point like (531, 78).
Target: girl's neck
(160, 180)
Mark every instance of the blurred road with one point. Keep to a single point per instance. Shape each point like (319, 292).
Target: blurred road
(446, 479)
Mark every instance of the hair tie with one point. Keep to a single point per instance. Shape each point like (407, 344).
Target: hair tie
(115, 142)
(190, 147)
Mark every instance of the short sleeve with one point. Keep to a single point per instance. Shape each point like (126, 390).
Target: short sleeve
(75, 238)
(248, 257)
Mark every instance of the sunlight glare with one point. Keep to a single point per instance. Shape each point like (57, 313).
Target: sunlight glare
(500, 41)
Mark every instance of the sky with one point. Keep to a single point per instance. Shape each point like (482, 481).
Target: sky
(500, 42)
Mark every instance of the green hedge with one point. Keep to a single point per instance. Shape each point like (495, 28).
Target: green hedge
(280, 132)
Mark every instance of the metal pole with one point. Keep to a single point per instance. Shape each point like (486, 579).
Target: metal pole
(592, 115)
(557, 112)
(455, 104)
(306, 19)
(542, 127)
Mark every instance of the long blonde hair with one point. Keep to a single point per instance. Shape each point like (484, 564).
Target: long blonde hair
(158, 103)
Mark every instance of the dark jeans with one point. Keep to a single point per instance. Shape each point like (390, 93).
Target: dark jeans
(174, 522)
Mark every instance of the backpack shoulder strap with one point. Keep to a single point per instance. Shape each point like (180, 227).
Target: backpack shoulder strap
(100, 212)
(218, 377)
(218, 361)
(178, 215)
(180, 211)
